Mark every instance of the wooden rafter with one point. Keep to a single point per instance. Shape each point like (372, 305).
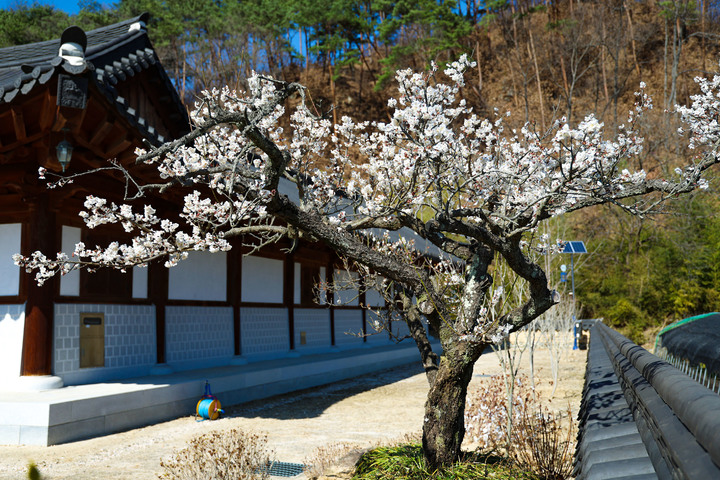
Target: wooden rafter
(120, 144)
(19, 124)
(101, 132)
(47, 112)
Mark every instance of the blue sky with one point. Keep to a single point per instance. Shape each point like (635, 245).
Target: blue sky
(69, 6)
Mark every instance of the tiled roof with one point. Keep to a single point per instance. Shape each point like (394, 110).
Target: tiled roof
(695, 339)
(113, 53)
(643, 418)
(609, 443)
(43, 52)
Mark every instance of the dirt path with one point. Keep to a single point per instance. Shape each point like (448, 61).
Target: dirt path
(362, 411)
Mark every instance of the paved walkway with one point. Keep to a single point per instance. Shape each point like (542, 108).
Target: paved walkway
(74, 413)
(363, 411)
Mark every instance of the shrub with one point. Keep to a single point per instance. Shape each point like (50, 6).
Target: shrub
(489, 417)
(232, 455)
(326, 457)
(527, 431)
(543, 442)
(33, 472)
(405, 462)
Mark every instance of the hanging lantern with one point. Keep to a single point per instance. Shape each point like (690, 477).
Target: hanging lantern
(64, 153)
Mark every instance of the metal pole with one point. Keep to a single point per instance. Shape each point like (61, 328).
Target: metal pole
(572, 277)
(572, 280)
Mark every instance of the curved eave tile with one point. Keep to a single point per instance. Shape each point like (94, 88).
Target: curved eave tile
(120, 69)
(28, 77)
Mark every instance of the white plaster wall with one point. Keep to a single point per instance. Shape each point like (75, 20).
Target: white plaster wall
(12, 324)
(262, 280)
(323, 287)
(140, 282)
(348, 321)
(10, 236)
(297, 293)
(379, 338)
(202, 276)
(373, 297)
(198, 336)
(264, 332)
(130, 347)
(400, 328)
(70, 282)
(315, 322)
(343, 294)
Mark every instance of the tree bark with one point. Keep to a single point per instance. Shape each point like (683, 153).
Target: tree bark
(413, 318)
(444, 423)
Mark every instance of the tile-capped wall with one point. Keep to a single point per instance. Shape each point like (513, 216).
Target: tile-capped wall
(198, 333)
(348, 321)
(129, 335)
(315, 322)
(264, 331)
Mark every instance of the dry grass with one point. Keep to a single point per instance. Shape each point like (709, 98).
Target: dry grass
(520, 426)
(231, 455)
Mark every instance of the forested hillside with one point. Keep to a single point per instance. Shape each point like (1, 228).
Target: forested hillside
(541, 60)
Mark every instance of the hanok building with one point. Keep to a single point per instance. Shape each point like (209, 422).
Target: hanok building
(72, 104)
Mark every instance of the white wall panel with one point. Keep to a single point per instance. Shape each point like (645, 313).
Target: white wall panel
(140, 282)
(202, 276)
(297, 293)
(374, 299)
(12, 324)
(70, 282)
(344, 294)
(323, 287)
(376, 337)
(262, 280)
(10, 236)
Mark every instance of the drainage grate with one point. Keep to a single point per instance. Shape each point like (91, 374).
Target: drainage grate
(284, 469)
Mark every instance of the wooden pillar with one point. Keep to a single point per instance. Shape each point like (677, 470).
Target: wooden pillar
(38, 335)
(234, 288)
(158, 295)
(289, 295)
(329, 278)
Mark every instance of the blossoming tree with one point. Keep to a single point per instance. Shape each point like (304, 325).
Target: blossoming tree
(469, 186)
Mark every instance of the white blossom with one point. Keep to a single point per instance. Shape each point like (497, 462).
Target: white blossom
(434, 155)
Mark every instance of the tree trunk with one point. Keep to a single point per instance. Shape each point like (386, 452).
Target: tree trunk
(677, 50)
(537, 77)
(632, 37)
(703, 13)
(444, 425)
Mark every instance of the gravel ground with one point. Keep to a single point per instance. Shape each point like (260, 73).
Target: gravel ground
(362, 411)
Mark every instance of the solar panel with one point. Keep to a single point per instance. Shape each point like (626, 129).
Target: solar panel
(579, 247)
(574, 247)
